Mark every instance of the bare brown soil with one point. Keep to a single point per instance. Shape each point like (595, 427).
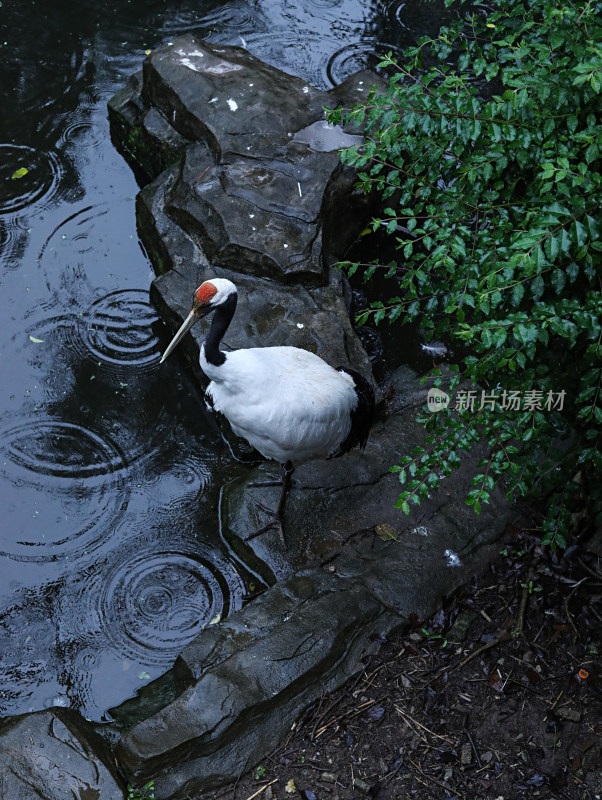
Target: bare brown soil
(498, 695)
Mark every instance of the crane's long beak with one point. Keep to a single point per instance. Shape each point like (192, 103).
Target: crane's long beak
(183, 330)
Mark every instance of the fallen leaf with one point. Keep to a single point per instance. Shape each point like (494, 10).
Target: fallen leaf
(496, 682)
(583, 746)
(19, 173)
(533, 676)
(386, 532)
(34, 339)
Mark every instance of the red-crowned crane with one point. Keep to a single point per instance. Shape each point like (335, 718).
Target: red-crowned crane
(286, 402)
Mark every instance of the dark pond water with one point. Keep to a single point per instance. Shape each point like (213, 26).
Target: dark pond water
(111, 558)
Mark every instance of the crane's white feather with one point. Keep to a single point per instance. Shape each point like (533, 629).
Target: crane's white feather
(288, 403)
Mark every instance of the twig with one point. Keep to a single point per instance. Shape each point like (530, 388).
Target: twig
(406, 716)
(520, 620)
(430, 777)
(196, 181)
(503, 637)
(474, 749)
(263, 788)
(566, 606)
(555, 703)
(334, 703)
(352, 713)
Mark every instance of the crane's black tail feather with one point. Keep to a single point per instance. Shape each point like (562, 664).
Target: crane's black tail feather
(362, 416)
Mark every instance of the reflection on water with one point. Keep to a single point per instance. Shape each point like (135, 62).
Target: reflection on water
(110, 554)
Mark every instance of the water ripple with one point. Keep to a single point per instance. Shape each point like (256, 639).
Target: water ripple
(151, 601)
(12, 243)
(355, 56)
(75, 235)
(118, 329)
(40, 180)
(229, 18)
(65, 487)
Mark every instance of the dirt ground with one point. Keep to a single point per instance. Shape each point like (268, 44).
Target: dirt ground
(498, 695)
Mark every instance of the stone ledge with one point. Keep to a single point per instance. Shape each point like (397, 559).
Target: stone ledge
(54, 755)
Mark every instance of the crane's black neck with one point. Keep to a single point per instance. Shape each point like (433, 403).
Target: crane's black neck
(222, 318)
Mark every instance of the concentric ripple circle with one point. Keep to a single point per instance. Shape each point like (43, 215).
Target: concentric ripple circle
(118, 329)
(62, 450)
(26, 176)
(355, 56)
(12, 243)
(396, 12)
(322, 4)
(82, 131)
(154, 603)
(64, 489)
(230, 18)
(80, 233)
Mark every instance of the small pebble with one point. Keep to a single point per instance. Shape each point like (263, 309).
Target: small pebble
(362, 785)
(328, 777)
(569, 713)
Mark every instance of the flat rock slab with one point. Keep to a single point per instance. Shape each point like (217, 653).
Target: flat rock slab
(55, 755)
(306, 635)
(259, 179)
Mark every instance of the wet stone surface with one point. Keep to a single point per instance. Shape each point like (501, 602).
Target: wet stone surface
(259, 181)
(54, 755)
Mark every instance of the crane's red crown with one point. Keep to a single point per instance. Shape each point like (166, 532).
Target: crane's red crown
(205, 292)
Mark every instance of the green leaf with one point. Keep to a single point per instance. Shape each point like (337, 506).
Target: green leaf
(518, 292)
(19, 173)
(558, 280)
(537, 287)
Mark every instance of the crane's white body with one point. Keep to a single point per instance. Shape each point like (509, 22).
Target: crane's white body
(288, 403)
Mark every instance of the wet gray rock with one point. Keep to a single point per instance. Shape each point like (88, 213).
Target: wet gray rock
(259, 181)
(250, 679)
(55, 755)
(268, 313)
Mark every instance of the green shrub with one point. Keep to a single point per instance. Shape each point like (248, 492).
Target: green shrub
(486, 146)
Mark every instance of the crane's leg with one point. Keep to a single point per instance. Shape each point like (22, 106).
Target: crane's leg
(278, 515)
